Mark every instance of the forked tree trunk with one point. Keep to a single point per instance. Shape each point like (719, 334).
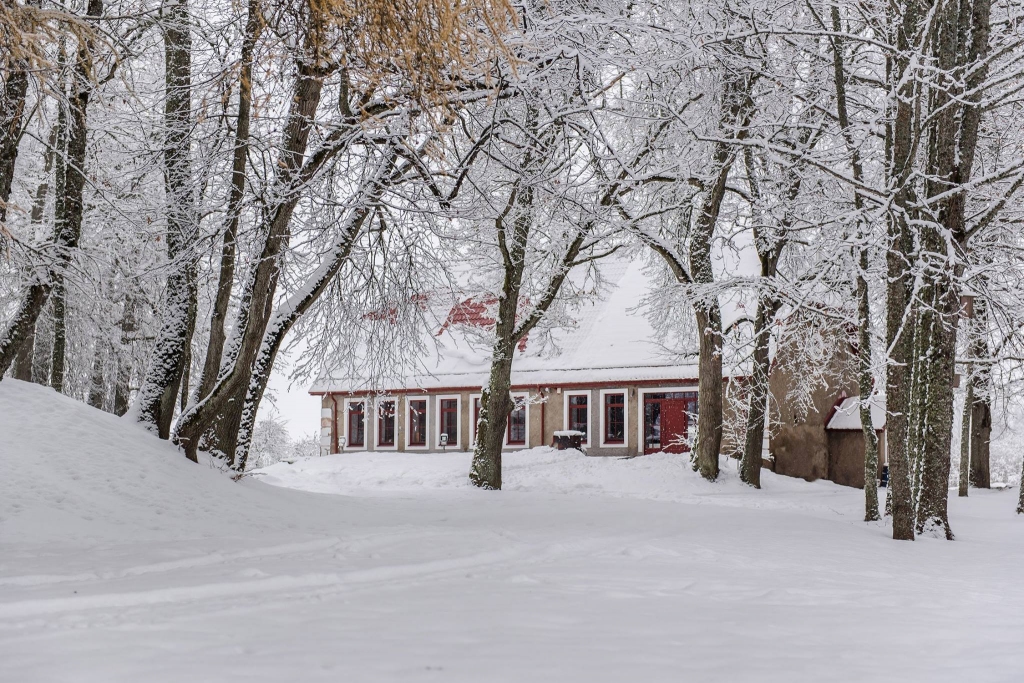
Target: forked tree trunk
(737, 109)
(226, 278)
(292, 309)
(495, 400)
(219, 414)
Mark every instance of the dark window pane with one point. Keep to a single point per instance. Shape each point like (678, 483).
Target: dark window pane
(386, 423)
(417, 423)
(356, 425)
(517, 424)
(578, 414)
(450, 419)
(615, 418)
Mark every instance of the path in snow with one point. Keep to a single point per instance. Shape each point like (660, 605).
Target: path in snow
(121, 561)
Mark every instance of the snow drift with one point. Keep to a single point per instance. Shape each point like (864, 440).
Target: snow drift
(122, 561)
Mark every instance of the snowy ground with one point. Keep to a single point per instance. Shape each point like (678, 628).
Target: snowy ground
(121, 561)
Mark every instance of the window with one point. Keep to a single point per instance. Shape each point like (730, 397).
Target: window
(614, 418)
(356, 425)
(418, 422)
(476, 415)
(448, 409)
(578, 418)
(517, 423)
(386, 423)
(576, 412)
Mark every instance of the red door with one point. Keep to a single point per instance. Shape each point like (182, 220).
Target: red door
(673, 425)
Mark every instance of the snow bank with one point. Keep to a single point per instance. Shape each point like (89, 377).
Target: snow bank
(122, 561)
(659, 476)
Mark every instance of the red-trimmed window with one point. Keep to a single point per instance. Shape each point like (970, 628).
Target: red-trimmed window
(578, 406)
(614, 418)
(517, 424)
(356, 425)
(449, 408)
(386, 424)
(418, 423)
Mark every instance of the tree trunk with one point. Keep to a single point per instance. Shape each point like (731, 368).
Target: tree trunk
(865, 377)
(23, 361)
(939, 323)
(900, 146)
(225, 281)
(125, 358)
(750, 466)
(58, 352)
(156, 401)
(495, 401)
(12, 111)
(737, 109)
(219, 415)
(42, 344)
(866, 386)
(297, 305)
(495, 407)
(981, 405)
(68, 221)
(965, 440)
(97, 397)
(68, 226)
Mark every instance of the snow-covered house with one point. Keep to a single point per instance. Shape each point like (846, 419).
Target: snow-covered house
(607, 377)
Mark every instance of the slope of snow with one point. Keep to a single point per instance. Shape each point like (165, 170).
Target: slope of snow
(121, 561)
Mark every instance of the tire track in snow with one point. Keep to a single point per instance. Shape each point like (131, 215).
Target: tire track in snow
(172, 565)
(314, 583)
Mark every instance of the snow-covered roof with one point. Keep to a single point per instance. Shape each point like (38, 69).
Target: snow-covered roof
(610, 340)
(847, 415)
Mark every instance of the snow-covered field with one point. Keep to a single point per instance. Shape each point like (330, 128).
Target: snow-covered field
(121, 561)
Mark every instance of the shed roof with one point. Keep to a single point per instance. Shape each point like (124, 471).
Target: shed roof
(847, 415)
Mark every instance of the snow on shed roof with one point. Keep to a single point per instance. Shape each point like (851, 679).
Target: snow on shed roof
(611, 340)
(847, 415)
